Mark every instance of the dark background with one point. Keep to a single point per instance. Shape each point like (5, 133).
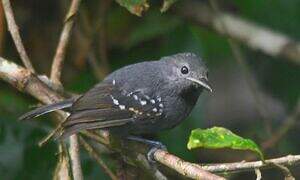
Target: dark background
(106, 37)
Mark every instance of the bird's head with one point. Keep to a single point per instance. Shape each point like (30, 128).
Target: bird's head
(185, 71)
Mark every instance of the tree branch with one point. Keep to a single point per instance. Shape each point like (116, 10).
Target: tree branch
(2, 28)
(257, 173)
(289, 160)
(187, 169)
(254, 36)
(26, 81)
(95, 155)
(55, 78)
(75, 158)
(63, 42)
(62, 168)
(14, 31)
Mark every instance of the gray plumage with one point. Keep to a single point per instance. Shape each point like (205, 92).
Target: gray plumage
(141, 98)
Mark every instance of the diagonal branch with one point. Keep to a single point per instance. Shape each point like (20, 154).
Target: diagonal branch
(288, 124)
(63, 42)
(185, 168)
(95, 155)
(26, 81)
(255, 36)
(14, 31)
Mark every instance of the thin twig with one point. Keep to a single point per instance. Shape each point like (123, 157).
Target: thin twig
(103, 46)
(14, 31)
(87, 36)
(289, 123)
(258, 174)
(62, 170)
(253, 85)
(63, 42)
(75, 158)
(96, 156)
(255, 36)
(95, 137)
(289, 160)
(2, 28)
(286, 172)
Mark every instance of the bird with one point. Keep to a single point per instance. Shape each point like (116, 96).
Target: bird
(143, 98)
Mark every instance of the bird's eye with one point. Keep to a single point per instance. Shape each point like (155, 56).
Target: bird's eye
(184, 70)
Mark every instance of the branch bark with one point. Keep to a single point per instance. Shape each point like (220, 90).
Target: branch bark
(26, 81)
(63, 42)
(62, 168)
(187, 169)
(55, 78)
(255, 36)
(75, 158)
(14, 31)
(289, 160)
(2, 28)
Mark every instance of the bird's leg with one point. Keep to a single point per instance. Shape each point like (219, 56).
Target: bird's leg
(147, 141)
(154, 145)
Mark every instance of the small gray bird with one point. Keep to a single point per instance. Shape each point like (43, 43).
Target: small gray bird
(142, 98)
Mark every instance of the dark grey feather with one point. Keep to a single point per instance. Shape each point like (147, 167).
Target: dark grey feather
(47, 109)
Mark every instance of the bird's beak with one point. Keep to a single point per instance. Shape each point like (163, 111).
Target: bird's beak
(202, 82)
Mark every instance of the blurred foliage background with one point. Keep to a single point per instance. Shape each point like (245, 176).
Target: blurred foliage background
(106, 37)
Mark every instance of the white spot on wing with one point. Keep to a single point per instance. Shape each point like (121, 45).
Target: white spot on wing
(143, 102)
(115, 101)
(161, 105)
(129, 94)
(122, 107)
(158, 114)
(152, 101)
(154, 109)
(135, 97)
(158, 99)
(114, 82)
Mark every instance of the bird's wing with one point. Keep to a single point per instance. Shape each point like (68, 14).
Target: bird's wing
(107, 105)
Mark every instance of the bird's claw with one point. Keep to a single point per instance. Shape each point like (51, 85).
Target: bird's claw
(154, 146)
(151, 152)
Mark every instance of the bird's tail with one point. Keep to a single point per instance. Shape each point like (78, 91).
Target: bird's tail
(47, 109)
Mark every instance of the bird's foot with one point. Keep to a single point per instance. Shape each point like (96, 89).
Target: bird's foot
(155, 145)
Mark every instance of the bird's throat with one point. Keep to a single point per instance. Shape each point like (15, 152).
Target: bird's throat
(191, 95)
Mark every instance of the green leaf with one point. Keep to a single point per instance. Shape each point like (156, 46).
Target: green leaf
(166, 5)
(219, 137)
(134, 6)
